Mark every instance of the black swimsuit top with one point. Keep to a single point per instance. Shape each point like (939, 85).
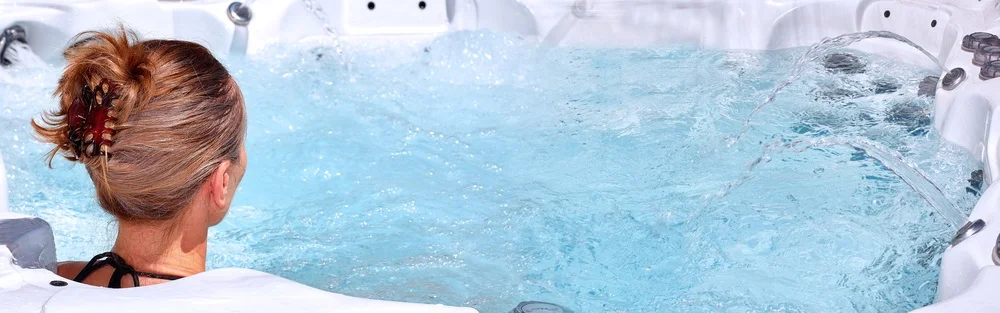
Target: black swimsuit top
(121, 269)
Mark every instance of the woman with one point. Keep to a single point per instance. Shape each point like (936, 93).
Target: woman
(160, 126)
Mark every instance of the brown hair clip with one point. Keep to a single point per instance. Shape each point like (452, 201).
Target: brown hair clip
(91, 119)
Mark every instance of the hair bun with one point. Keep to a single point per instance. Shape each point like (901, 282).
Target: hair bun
(83, 126)
(149, 119)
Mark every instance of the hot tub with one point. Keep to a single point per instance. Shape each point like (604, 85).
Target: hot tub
(603, 155)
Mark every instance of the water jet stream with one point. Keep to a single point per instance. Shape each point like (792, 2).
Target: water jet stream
(892, 160)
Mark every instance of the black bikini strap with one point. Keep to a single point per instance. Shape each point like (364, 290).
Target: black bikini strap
(94, 264)
(121, 269)
(116, 277)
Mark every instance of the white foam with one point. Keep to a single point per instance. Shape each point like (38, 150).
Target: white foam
(20, 55)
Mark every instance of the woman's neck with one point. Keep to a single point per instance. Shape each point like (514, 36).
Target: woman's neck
(176, 247)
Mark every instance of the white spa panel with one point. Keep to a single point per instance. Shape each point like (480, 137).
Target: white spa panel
(394, 16)
(926, 25)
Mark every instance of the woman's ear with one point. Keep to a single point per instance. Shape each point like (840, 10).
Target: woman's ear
(219, 184)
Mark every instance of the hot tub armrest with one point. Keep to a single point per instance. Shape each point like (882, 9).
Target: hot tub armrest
(29, 239)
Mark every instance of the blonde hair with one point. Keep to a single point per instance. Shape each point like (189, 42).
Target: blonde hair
(179, 115)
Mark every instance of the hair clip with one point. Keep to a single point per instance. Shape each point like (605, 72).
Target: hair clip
(91, 119)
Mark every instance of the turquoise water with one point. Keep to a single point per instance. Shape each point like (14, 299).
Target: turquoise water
(484, 170)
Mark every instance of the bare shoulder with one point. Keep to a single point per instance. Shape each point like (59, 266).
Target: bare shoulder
(70, 269)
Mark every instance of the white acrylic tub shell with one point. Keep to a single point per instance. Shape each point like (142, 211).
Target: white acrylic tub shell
(27, 259)
(222, 290)
(726, 24)
(963, 116)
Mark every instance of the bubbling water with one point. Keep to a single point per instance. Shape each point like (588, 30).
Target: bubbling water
(820, 49)
(484, 171)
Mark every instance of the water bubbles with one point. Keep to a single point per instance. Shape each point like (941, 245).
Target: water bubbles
(494, 167)
(496, 172)
(815, 52)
